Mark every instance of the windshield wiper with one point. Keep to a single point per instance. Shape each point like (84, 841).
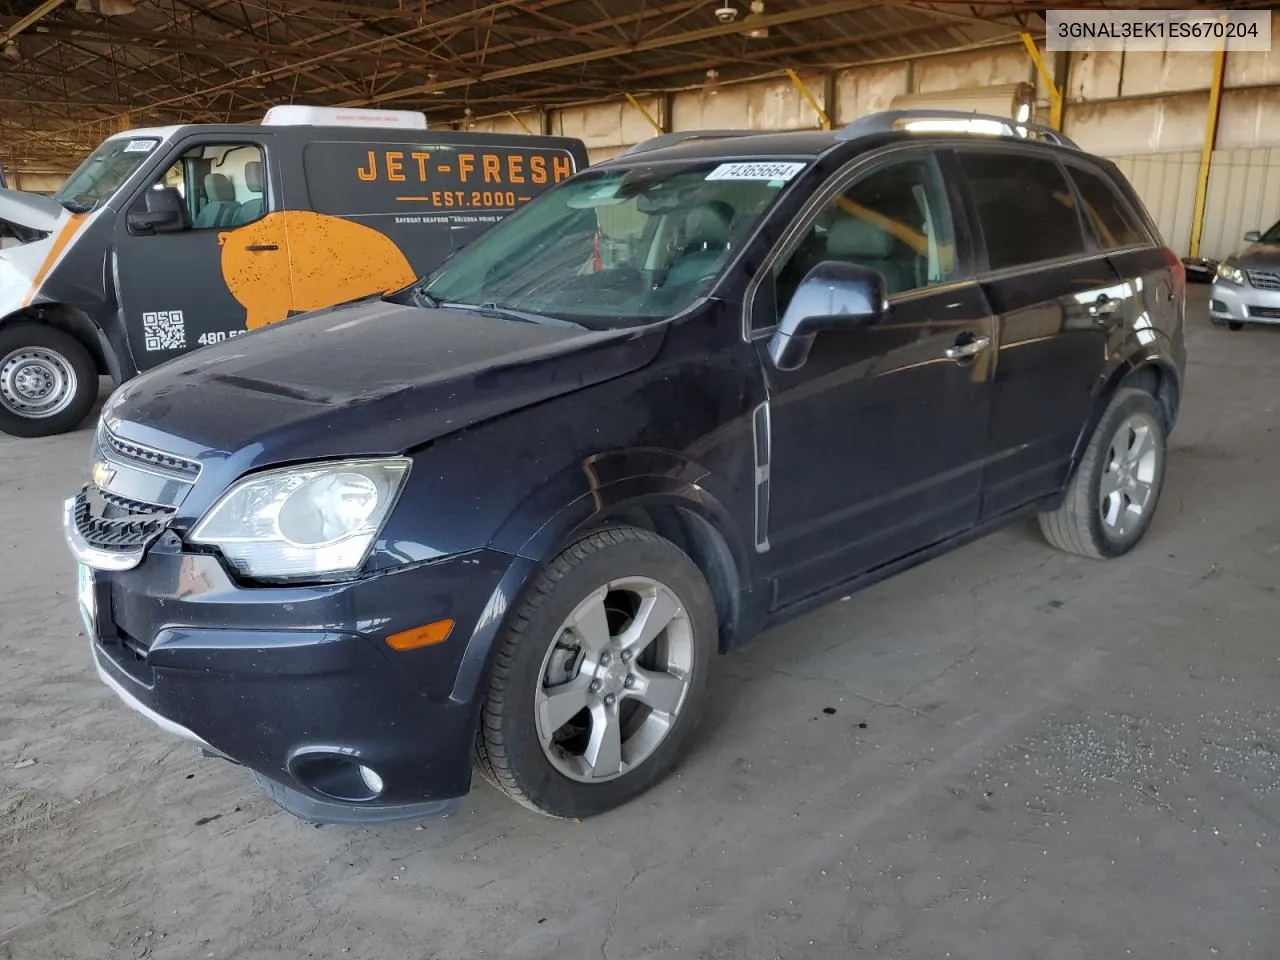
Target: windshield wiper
(423, 298)
(506, 313)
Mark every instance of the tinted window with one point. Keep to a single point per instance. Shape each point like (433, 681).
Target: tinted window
(1025, 207)
(894, 219)
(1111, 218)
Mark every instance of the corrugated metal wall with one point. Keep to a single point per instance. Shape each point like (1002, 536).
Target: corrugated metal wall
(1145, 111)
(1166, 182)
(1244, 194)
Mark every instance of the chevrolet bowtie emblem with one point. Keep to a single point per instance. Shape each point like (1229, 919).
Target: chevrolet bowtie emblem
(102, 474)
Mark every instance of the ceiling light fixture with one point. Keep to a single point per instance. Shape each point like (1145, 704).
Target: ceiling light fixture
(712, 86)
(11, 51)
(750, 25)
(726, 12)
(108, 8)
(432, 80)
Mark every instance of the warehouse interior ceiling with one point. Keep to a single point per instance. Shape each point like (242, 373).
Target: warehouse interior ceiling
(73, 71)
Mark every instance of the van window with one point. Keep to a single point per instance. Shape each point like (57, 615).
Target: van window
(1112, 221)
(103, 172)
(894, 220)
(354, 179)
(1025, 208)
(222, 185)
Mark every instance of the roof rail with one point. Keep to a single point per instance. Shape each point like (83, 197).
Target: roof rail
(887, 120)
(671, 139)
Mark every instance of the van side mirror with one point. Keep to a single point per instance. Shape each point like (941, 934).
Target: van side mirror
(832, 296)
(1253, 236)
(158, 211)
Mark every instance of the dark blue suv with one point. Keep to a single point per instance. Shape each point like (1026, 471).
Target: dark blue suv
(507, 517)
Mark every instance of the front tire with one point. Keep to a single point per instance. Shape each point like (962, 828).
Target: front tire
(1112, 497)
(1234, 325)
(48, 381)
(599, 675)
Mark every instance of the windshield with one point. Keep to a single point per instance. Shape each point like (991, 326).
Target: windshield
(616, 247)
(1272, 235)
(102, 173)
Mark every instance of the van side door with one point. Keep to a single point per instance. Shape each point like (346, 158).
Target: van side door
(195, 251)
(1059, 301)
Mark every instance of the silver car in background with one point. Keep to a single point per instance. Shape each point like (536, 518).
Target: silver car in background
(1246, 288)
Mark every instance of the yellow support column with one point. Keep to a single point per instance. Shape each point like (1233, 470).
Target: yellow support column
(812, 100)
(1206, 149)
(516, 117)
(1055, 94)
(657, 127)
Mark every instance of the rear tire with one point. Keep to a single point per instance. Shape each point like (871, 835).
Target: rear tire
(599, 675)
(48, 381)
(1111, 499)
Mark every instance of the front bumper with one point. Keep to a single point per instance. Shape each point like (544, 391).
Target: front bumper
(298, 684)
(1232, 303)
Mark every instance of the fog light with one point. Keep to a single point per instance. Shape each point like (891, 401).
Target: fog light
(371, 779)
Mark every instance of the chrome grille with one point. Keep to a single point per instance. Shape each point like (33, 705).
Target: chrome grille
(109, 521)
(1264, 279)
(144, 456)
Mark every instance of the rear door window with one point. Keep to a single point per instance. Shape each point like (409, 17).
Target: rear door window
(1025, 207)
(1113, 222)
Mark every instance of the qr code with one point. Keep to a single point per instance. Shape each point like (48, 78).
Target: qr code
(164, 330)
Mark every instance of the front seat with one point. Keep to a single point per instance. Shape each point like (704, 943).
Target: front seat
(251, 210)
(706, 239)
(856, 241)
(222, 205)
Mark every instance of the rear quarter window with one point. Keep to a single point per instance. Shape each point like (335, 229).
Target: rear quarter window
(454, 181)
(1025, 208)
(1112, 220)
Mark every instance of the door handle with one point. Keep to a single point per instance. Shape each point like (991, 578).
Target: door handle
(966, 351)
(1103, 307)
(260, 247)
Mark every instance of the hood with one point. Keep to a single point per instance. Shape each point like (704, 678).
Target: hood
(1258, 255)
(30, 210)
(367, 378)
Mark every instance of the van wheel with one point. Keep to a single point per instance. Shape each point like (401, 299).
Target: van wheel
(598, 676)
(1113, 495)
(48, 381)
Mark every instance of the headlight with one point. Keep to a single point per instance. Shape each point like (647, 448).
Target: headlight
(1231, 274)
(310, 520)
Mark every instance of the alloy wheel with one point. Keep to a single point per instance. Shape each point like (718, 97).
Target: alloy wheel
(614, 680)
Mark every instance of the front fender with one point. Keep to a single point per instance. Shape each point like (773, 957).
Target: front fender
(540, 533)
(581, 497)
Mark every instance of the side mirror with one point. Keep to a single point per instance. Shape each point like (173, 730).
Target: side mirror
(1253, 236)
(832, 296)
(158, 211)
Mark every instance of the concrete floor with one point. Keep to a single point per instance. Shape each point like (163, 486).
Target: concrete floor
(1007, 753)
